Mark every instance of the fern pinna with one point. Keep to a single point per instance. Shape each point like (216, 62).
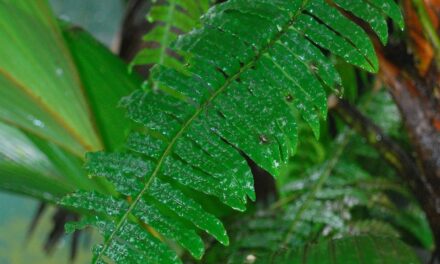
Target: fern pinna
(249, 67)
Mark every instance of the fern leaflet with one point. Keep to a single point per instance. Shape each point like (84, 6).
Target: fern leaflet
(170, 19)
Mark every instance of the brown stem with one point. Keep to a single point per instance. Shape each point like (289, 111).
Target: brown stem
(422, 122)
(421, 115)
(134, 27)
(388, 148)
(412, 170)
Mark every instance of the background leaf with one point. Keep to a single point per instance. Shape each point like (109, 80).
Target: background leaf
(89, 82)
(41, 91)
(363, 249)
(26, 170)
(105, 80)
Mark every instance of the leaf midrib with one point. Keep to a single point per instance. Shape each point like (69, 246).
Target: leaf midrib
(57, 117)
(189, 122)
(51, 113)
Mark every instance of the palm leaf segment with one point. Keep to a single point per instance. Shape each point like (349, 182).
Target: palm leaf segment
(251, 65)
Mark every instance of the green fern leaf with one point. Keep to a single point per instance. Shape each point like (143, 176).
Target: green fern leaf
(248, 69)
(361, 249)
(171, 18)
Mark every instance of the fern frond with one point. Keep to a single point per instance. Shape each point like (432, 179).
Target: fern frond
(249, 67)
(170, 18)
(358, 249)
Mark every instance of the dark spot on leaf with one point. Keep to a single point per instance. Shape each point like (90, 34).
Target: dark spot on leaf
(225, 75)
(289, 98)
(220, 114)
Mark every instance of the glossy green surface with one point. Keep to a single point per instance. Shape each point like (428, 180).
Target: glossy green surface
(106, 80)
(247, 72)
(41, 90)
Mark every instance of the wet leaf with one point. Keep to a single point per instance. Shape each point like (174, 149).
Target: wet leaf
(248, 69)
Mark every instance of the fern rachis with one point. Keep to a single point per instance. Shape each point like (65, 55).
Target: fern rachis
(179, 135)
(248, 68)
